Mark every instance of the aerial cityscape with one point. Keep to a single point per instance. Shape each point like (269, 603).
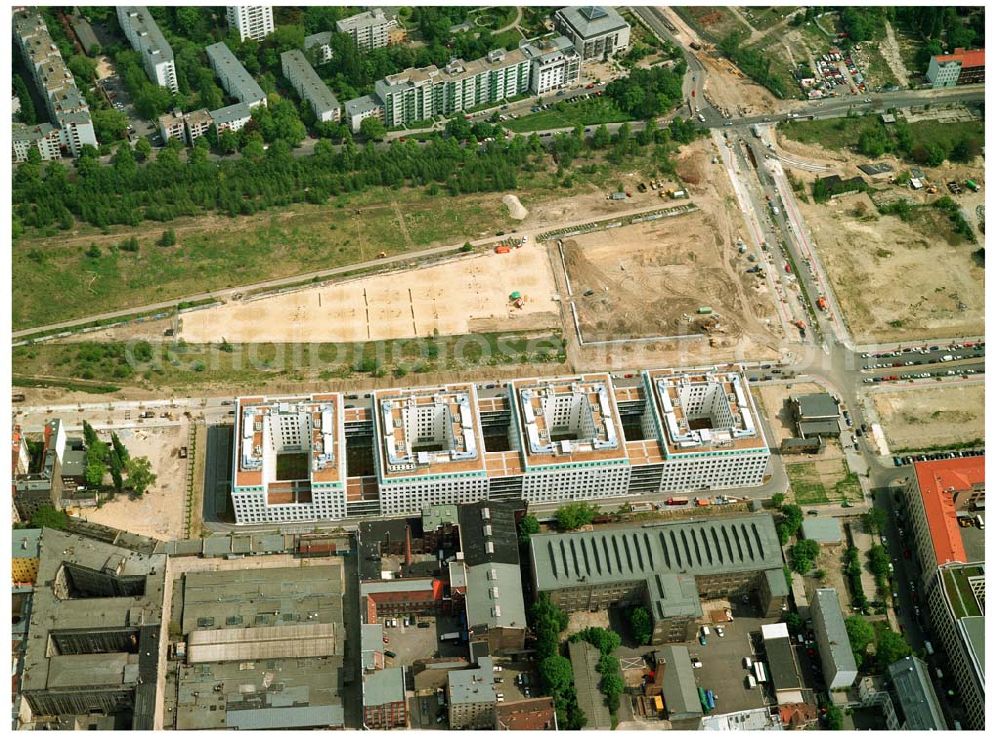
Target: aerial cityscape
(498, 368)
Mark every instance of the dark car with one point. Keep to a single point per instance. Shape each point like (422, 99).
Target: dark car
(390, 654)
(423, 625)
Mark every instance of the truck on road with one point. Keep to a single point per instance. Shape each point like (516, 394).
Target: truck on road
(451, 636)
(756, 130)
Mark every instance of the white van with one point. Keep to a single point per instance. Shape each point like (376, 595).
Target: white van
(751, 682)
(748, 663)
(704, 630)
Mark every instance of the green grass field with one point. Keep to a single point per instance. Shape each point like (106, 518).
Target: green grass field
(806, 485)
(841, 133)
(584, 113)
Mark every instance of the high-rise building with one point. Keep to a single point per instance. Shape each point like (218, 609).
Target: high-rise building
(555, 63)
(369, 30)
(252, 21)
(146, 38)
(71, 127)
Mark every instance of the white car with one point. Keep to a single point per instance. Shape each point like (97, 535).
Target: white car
(696, 664)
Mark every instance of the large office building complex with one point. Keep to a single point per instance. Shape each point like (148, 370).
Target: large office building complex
(290, 460)
(369, 30)
(146, 38)
(596, 32)
(234, 76)
(309, 86)
(252, 21)
(71, 127)
(555, 63)
(537, 439)
(669, 569)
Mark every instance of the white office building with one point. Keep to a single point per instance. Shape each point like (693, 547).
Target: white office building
(596, 32)
(309, 86)
(290, 459)
(66, 105)
(252, 21)
(557, 439)
(369, 30)
(146, 38)
(555, 63)
(234, 76)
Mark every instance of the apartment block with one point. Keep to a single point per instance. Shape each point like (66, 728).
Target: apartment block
(321, 41)
(309, 86)
(252, 21)
(555, 64)
(234, 77)
(472, 698)
(963, 67)
(197, 123)
(146, 38)
(596, 32)
(67, 107)
(368, 30)
(172, 126)
(231, 118)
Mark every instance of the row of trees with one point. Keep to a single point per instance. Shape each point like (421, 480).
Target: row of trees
(575, 515)
(612, 685)
(555, 670)
(788, 519)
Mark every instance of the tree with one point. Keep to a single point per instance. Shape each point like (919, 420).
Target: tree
(874, 520)
(47, 516)
(861, 634)
(793, 620)
(575, 515)
(878, 561)
(140, 474)
(168, 238)
(556, 673)
(143, 149)
(527, 527)
(547, 621)
(641, 625)
(27, 113)
(788, 522)
(891, 647)
(605, 640)
(834, 717)
(777, 500)
(803, 555)
(372, 129)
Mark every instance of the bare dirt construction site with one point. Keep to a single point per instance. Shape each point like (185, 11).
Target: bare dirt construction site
(471, 294)
(898, 280)
(931, 417)
(649, 280)
(160, 511)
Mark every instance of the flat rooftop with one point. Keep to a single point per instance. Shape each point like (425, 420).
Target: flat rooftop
(150, 38)
(567, 420)
(704, 409)
(242, 84)
(428, 431)
(268, 427)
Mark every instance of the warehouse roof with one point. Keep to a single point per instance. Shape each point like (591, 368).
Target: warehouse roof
(385, 687)
(586, 681)
(785, 672)
(680, 692)
(916, 695)
(700, 547)
(826, 530)
(817, 406)
(371, 645)
(494, 597)
(474, 686)
(489, 531)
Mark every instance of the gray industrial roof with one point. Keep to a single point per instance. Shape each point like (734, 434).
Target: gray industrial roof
(591, 21)
(818, 428)
(494, 596)
(25, 543)
(106, 669)
(371, 643)
(285, 718)
(817, 406)
(586, 681)
(826, 530)
(702, 547)
(836, 630)
(784, 671)
(323, 37)
(438, 515)
(262, 598)
(240, 83)
(916, 695)
(974, 630)
(673, 595)
(489, 531)
(474, 686)
(680, 692)
(385, 686)
(397, 584)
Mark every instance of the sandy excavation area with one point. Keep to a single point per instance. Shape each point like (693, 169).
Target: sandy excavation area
(650, 279)
(160, 512)
(928, 417)
(470, 294)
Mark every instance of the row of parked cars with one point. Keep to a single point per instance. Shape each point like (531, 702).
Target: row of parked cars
(910, 459)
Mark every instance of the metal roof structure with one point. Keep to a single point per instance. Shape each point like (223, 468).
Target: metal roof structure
(385, 687)
(814, 406)
(25, 543)
(489, 531)
(697, 547)
(784, 669)
(680, 691)
(831, 627)
(826, 530)
(262, 643)
(473, 686)
(915, 693)
(494, 596)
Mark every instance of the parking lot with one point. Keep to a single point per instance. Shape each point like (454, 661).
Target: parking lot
(117, 94)
(722, 666)
(409, 644)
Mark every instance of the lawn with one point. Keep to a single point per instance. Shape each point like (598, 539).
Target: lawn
(493, 18)
(567, 114)
(181, 365)
(762, 18)
(807, 488)
(843, 133)
(292, 466)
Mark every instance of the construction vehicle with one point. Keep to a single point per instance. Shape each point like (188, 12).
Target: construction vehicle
(702, 502)
(705, 310)
(972, 185)
(501, 249)
(821, 303)
(381, 255)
